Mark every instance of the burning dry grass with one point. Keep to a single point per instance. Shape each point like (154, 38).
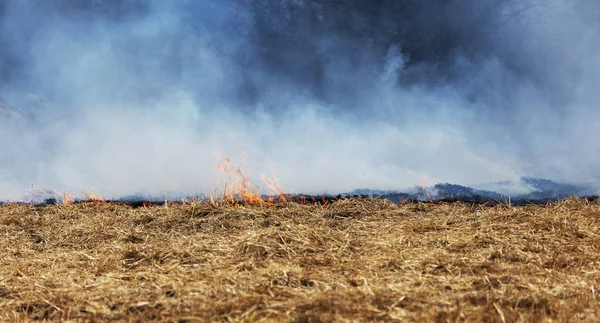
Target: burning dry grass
(356, 259)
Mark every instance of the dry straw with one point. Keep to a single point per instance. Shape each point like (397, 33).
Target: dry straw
(355, 259)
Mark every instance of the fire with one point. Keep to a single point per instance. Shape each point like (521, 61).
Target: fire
(238, 185)
(68, 199)
(423, 191)
(93, 197)
(274, 185)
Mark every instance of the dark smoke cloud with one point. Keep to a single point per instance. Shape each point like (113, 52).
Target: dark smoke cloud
(123, 96)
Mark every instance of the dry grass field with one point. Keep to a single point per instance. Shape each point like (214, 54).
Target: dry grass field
(352, 260)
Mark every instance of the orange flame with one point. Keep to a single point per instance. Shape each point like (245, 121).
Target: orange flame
(68, 199)
(274, 185)
(423, 191)
(238, 186)
(93, 197)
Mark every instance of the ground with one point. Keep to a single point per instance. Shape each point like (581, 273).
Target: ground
(355, 259)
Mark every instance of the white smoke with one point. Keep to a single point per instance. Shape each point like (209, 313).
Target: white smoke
(118, 99)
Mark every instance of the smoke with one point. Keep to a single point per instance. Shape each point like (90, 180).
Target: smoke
(118, 97)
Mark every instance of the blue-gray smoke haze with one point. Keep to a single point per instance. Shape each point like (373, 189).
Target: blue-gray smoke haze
(117, 97)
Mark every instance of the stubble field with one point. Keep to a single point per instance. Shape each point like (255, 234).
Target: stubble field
(354, 259)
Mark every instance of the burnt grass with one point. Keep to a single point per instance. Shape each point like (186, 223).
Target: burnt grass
(330, 260)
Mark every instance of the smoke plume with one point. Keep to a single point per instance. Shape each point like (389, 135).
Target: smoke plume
(118, 97)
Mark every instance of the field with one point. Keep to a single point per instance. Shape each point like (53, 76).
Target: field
(355, 259)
